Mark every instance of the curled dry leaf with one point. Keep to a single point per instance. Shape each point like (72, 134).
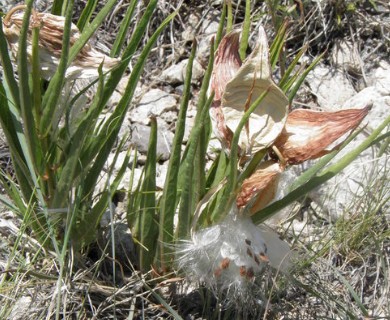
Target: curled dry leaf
(51, 30)
(237, 88)
(260, 188)
(308, 133)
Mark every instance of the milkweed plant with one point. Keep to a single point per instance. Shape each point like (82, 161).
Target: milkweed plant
(205, 223)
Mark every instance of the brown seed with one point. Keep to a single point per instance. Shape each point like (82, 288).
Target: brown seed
(250, 273)
(225, 263)
(217, 272)
(249, 252)
(248, 242)
(242, 271)
(263, 257)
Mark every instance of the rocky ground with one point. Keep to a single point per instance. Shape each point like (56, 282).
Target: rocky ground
(354, 72)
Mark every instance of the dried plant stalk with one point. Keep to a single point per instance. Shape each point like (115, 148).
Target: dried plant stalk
(51, 30)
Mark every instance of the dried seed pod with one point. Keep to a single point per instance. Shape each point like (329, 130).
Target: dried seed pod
(226, 64)
(308, 133)
(237, 86)
(260, 188)
(51, 30)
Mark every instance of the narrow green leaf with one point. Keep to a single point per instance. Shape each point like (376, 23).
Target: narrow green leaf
(100, 146)
(12, 128)
(188, 203)
(86, 14)
(199, 161)
(321, 163)
(53, 92)
(221, 25)
(133, 208)
(252, 165)
(229, 23)
(217, 170)
(168, 200)
(131, 215)
(303, 76)
(87, 227)
(14, 200)
(8, 71)
(278, 44)
(28, 139)
(90, 29)
(73, 151)
(166, 305)
(187, 196)
(138, 34)
(123, 29)
(287, 74)
(384, 147)
(36, 78)
(57, 7)
(351, 291)
(148, 223)
(25, 98)
(245, 30)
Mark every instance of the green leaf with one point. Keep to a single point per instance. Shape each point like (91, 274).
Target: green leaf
(86, 14)
(25, 98)
(73, 151)
(100, 146)
(148, 221)
(252, 165)
(12, 128)
(302, 77)
(138, 34)
(221, 24)
(169, 197)
(217, 170)
(278, 45)
(90, 29)
(8, 70)
(187, 200)
(53, 92)
(285, 83)
(57, 7)
(229, 23)
(36, 78)
(353, 293)
(321, 163)
(123, 30)
(245, 30)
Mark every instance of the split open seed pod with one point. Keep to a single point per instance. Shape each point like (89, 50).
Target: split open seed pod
(308, 134)
(51, 30)
(260, 188)
(237, 85)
